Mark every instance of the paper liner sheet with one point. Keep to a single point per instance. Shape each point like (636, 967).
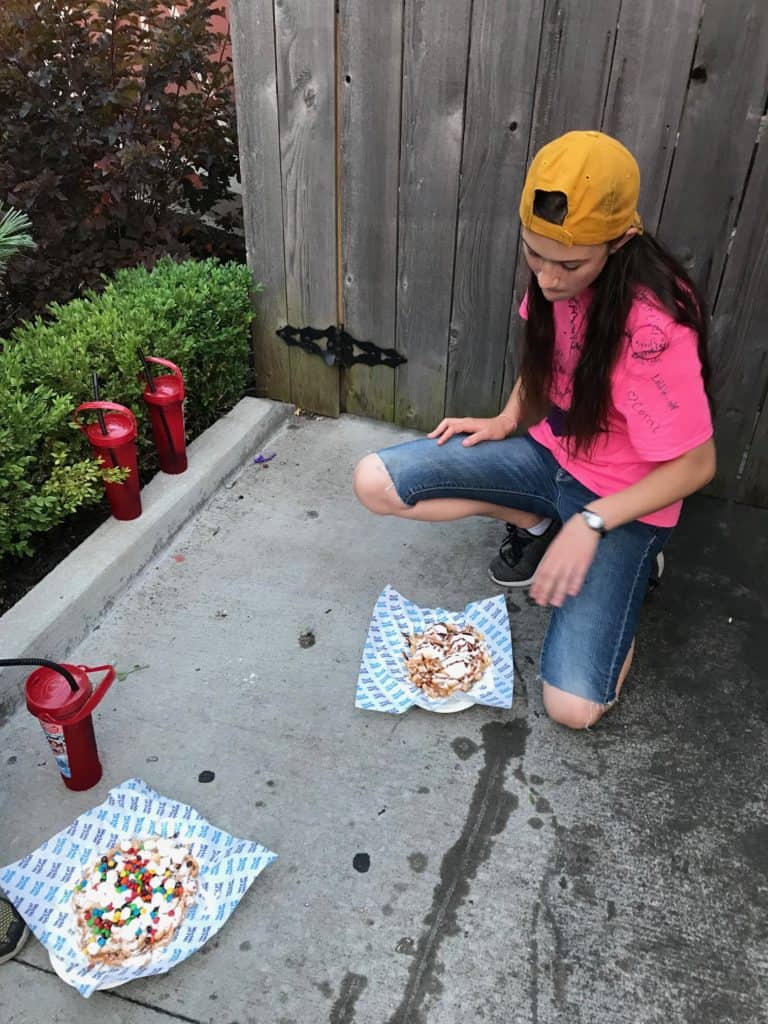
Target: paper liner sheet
(383, 683)
(40, 885)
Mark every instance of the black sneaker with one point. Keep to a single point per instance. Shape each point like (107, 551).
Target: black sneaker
(520, 554)
(13, 932)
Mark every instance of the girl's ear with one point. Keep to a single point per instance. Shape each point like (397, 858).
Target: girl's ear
(620, 242)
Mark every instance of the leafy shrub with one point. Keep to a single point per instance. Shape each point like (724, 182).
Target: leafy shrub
(115, 117)
(196, 314)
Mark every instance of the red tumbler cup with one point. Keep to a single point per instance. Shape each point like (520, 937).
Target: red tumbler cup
(65, 713)
(165, 401)
(115, 448)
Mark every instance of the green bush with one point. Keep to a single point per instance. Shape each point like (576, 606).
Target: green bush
(196, 314)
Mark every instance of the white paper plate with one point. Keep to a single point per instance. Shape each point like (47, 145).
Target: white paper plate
(456, 702)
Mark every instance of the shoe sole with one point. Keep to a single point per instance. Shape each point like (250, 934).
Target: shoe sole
(17, 948)
(512, 586)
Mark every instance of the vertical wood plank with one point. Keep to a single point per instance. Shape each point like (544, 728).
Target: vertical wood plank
(651, 63)
(740, 337)
(305, 42)
(753, 486)
(724, 103)
(369, 85)
(253, 51)
(577, 44)
(499, 108)
(435, 54)
(575, 55)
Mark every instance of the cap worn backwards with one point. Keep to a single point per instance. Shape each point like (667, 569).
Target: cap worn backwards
(600, 180)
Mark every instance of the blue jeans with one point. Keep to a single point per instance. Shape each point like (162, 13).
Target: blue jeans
(589, 637)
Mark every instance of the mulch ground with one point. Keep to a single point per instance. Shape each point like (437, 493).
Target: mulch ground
(19, 575)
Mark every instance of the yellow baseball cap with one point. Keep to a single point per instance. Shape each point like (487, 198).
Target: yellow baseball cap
(601, 183)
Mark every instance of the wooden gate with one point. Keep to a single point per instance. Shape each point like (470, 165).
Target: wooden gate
(383, 149)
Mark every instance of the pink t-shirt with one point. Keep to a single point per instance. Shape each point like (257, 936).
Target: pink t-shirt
(658, 409)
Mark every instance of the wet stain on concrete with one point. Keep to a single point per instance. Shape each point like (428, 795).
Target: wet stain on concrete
(244, 946)
(489, 811)
(543, 806)
(361, 862)
(536, 823)
(387, 910)
(400, 887)
(575, 860)
(352, 987)
(559, 965)
(312, 514)
(307, 639)
(325, 988)
(464, 747)
(418, 862)
(423, 789)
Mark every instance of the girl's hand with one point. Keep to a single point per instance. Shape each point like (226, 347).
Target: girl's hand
(494, 429)
(563, 569)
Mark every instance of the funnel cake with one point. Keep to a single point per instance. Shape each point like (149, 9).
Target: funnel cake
(446, 659)
(133, 899)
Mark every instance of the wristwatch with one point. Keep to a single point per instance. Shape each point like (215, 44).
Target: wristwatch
(594, 521)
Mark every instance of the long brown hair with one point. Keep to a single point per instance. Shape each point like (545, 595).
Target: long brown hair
(640, 264)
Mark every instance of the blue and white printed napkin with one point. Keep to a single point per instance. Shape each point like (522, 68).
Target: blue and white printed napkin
(383, 683)
(40, 885)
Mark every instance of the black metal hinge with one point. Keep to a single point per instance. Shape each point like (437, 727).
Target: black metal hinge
(341, 348)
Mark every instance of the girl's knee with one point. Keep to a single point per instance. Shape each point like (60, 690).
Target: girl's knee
(374, 488)
(569, 710)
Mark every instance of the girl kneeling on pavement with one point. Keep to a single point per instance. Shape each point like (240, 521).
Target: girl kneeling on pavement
(614, 378)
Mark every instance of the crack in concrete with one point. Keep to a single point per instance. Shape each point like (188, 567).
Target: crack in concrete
(489, 811)
(117, 995)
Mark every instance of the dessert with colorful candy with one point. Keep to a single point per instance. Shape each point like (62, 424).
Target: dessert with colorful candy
(446, 659)
(133, 899)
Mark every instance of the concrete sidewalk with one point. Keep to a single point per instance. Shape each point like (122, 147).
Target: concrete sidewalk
(518, 872)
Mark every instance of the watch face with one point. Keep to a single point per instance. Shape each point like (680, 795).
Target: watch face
(594, 520)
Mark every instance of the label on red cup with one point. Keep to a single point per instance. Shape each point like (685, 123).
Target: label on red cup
(55, 736)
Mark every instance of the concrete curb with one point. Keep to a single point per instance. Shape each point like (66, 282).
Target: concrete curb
(56, 614)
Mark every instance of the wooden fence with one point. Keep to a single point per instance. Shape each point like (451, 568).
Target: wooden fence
(384, 145)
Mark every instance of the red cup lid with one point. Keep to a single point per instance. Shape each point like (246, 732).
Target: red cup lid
(50, 696)
(120, 430)
(168, 388)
